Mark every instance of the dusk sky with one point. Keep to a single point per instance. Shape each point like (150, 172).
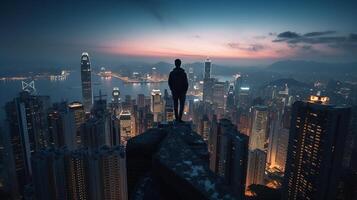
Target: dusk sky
(230, 32)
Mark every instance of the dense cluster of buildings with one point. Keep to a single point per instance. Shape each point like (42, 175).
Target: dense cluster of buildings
(286, 139)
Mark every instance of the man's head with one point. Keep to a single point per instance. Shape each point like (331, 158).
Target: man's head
(178, 63)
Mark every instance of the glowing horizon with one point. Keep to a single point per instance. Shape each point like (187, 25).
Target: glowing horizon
(255, 46)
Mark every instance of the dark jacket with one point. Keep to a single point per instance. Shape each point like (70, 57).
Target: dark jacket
(178, 81)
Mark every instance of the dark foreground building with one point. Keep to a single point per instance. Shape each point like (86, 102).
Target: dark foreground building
(171, 163)
(316, 143)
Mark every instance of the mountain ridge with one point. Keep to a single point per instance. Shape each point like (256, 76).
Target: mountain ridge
(312, 66)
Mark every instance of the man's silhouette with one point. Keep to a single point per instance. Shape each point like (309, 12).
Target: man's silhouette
(178, 85)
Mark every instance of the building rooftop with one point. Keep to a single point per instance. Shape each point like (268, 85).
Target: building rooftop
(176, 166)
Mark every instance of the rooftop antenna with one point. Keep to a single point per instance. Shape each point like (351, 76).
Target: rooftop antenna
(28, 87)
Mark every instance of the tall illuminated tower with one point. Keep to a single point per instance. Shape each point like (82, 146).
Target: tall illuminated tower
(259, 131)
(87, 95)
(208, 82)
(116, 101)
(315, 151)
(207, 69)
(125, 126)
(257, 151)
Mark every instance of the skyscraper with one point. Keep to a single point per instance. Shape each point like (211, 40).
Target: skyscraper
(87, 95)
(256, 167)
(218, 98)
(237, 83)
(207, 74)
(230, 102)
(191, 79)
(62, 127)
(79, 117)
(139, 120)
(274, 131)
(279, 138)
(127, 105)
(156, 105)
(27, 125)
(230, 159)
(208, 82)
(148, 120)
(8, 177)
(258, 135)
(243, 97)
(282, 149)
(77, 175)
(107, 169)
(125, 126)
(97, 130)
(204, 127)
(140, 100)
(49, 174)
(257, 146)
(316, 143)
(80, 174)
(169, 107)
(116, 101)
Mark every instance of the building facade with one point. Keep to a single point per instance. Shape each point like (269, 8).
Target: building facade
(316, 143)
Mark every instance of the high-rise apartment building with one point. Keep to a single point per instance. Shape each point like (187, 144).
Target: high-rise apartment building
(204, 127)
(125, 126)
(156, 105)
(258, 135)
(107, 169)
(229, 156)
(62, 131)
(80, 174)
(26, 120)
(315, 152)
(79, 118)
(140, 101)
(257, 146)
(279, 138)
(97, 130)
(49, 178)
(218, 98)
(77, 174)
(256, 167)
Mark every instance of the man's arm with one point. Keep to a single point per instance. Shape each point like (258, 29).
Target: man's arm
(185, 83)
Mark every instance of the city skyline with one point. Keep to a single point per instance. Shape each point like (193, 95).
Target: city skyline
(231, 32)
(178, 99)
(243, 133)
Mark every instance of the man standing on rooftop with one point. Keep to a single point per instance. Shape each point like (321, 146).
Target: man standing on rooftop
(178, 85)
